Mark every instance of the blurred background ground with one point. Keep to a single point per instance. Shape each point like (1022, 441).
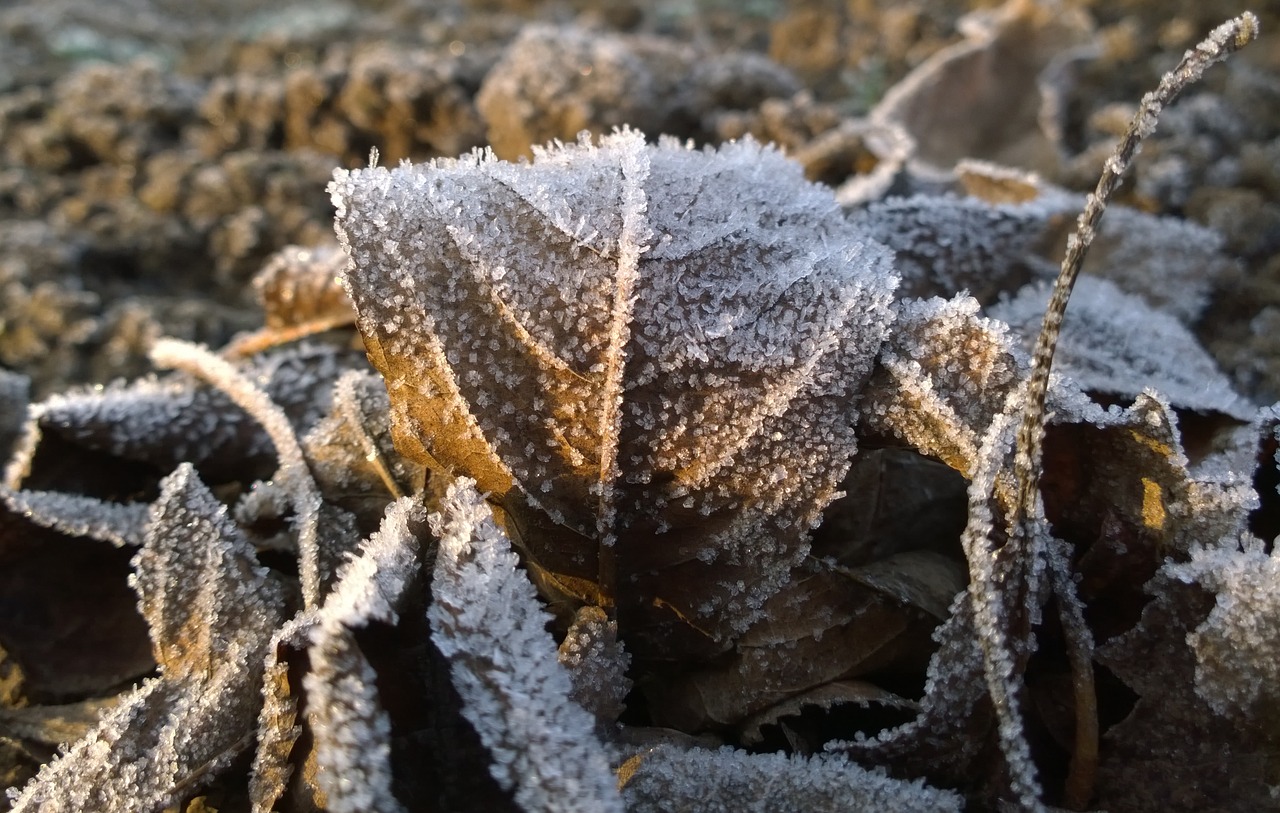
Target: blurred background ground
(155, 153)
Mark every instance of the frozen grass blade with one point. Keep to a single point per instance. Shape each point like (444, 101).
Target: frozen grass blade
(1221, 42)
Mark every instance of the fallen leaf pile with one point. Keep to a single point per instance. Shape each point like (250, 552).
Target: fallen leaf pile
(641, 476)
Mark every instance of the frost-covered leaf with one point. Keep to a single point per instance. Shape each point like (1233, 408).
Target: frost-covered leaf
(162, 423)
(53, 726)
(920, 579)
(1015, 561)
(200, 587)
(353, 732)
(351, 729)
(15, 396)
(1116, 344)
(1118, 483)
(654, 348)
(211, 610)
(300, 285)
(943, 375)
(953, 729)
(997, 184)
(487, 620)
(278, 725)
(1173, 752)
(1172, 263)
(121, 438)
(1238, 646)
(118, 523)
(539, 90)
(945, 244)
(860, 158)
(669, 778)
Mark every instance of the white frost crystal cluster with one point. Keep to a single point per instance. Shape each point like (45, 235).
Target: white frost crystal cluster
(1238, 646)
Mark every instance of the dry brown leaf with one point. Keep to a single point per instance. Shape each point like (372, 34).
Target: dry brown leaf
(300, 296)
(820, 628)
(985, 97)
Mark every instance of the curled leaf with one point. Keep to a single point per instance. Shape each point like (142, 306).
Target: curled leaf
(487, 620)
(351, 728)
(211, 610)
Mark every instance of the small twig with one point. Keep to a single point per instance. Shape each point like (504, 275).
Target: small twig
(1082, 771)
